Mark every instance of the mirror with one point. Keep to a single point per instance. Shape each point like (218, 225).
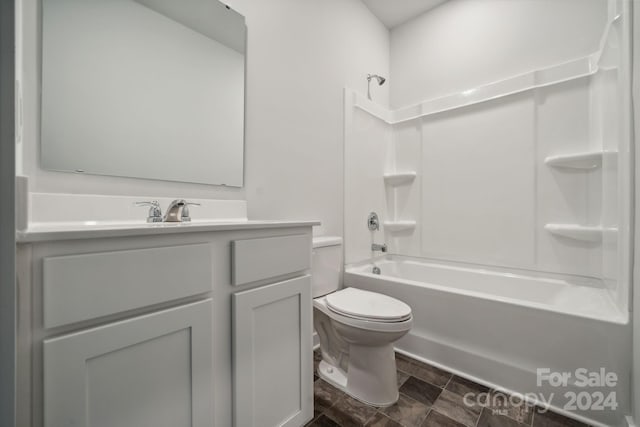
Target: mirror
(144, 88)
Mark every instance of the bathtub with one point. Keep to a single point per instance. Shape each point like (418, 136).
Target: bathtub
(499, 327)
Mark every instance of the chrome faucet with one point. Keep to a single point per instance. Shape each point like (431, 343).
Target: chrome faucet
(376, 247)
(178, 211)
(155, 212)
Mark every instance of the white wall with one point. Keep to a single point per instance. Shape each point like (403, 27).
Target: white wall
(300, 55)
(462, 44)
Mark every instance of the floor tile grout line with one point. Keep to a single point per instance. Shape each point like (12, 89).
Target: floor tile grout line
(425, 418)
(479, 417)
(448, 381)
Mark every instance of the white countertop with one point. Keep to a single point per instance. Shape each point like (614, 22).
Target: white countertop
(50, 231)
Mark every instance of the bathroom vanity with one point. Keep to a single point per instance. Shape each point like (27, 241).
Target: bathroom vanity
(124, 322)
(199, 324)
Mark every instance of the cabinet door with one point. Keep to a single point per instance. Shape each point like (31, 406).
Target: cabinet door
(273, 355)
(148, 371)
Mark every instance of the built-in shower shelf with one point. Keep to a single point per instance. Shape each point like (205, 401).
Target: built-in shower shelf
(587, 160)
(399, 178)
(395, 226)
(579, 232)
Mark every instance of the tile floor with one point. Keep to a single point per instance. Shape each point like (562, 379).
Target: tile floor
(429, 397)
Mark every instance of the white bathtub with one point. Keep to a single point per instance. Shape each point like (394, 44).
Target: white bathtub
(498, 327)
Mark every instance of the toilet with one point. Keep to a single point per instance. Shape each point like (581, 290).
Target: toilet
(356, 328)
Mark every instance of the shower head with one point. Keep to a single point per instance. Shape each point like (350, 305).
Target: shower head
(380, 80)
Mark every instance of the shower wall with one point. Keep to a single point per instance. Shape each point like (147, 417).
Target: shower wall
(529, 172)
(486, 192)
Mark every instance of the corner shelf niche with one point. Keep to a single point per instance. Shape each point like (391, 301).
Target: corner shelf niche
(399, 178)
(578, 232)
(395, 226)
(586, 160)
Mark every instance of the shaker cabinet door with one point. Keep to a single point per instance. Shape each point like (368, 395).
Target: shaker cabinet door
(148, 371)
(273, 355)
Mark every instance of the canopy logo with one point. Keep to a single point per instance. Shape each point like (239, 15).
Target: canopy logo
(596, 399)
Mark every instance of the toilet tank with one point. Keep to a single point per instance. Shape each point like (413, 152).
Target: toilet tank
(326, 265)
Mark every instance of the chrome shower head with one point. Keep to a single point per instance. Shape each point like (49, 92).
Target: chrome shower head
(380, 80)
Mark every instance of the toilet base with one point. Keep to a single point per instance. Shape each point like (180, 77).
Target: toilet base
(371, 377)
(334, 376)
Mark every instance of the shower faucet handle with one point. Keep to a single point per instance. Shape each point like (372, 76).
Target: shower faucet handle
(373, 223)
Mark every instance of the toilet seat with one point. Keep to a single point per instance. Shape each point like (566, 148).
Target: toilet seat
(368, 306)
(320, 303)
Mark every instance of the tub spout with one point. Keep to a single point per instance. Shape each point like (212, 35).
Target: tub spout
(376, 247)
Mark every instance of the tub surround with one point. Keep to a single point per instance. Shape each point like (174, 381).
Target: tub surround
(522, 172)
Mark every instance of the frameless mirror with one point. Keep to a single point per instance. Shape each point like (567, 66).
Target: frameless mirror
(144, 88)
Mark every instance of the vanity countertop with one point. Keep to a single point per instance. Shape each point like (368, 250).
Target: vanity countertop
(50, 231)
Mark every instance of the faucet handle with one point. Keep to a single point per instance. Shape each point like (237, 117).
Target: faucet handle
(373, 223)
(155, 212)
(185, 211)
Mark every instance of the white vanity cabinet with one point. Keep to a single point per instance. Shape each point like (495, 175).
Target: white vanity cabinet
(273, 369)
(175, 328)
(148, 371)
(272, 333)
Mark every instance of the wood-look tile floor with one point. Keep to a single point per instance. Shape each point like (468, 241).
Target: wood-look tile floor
(429, 397)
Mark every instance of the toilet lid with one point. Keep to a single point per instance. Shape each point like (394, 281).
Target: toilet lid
(361, 304)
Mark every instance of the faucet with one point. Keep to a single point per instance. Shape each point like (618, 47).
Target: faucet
(376, 247)
(178, 211)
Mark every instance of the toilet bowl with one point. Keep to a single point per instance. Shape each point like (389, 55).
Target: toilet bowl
(356, 329)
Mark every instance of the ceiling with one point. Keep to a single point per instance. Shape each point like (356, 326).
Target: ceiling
(395, 12)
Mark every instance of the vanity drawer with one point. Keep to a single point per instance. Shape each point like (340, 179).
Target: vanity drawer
(258, 259)
(87, 286)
